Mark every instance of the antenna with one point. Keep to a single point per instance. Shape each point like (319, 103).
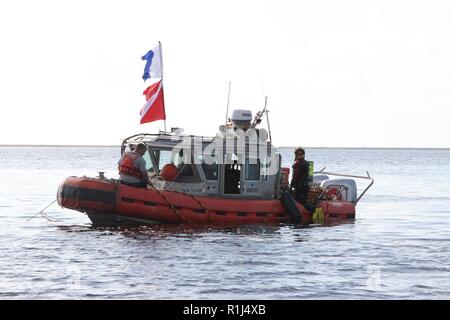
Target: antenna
(268, 124)
(228, 102)
(261, 79)
(258, 117)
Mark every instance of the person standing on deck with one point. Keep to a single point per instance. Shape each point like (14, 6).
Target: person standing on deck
(300, 171)
(132, 169)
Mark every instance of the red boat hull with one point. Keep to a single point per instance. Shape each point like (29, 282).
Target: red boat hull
(110, 203)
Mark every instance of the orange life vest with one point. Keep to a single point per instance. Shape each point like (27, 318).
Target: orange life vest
(127, 165)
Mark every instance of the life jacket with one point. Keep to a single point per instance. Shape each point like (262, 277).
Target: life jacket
(310, 170)
(127, 165)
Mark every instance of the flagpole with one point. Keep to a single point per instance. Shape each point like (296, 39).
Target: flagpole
(161, 57)
(162, 75)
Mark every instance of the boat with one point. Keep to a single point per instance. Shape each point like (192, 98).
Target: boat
(234, 177)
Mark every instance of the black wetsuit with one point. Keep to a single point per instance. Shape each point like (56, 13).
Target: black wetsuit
(300, 171)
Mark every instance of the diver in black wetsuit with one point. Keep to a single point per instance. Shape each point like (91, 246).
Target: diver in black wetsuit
(299, 184)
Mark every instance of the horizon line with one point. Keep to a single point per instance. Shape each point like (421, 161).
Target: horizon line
(306, 147)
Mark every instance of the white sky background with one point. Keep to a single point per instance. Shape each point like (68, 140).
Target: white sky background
(337, 73)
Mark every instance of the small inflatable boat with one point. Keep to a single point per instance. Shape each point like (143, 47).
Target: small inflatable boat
(240, 181)
(109, 203)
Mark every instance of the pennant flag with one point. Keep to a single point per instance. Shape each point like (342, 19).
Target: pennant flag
(153, 109)
(153, 67)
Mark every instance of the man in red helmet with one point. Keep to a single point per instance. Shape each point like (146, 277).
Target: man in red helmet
(132, 169)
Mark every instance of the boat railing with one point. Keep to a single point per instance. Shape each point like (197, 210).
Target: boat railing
(167, 135)
(368, 177)
(339, 191)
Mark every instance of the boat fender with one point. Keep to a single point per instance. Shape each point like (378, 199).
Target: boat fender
(290, 206)
(169, 172)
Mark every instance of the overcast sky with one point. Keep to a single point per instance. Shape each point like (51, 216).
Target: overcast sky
(336, 73)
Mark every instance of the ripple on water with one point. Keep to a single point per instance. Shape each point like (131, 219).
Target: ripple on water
(397, 248)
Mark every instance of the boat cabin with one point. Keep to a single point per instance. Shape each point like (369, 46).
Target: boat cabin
(227, 165)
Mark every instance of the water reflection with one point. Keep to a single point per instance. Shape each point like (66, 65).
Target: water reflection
(179, 230)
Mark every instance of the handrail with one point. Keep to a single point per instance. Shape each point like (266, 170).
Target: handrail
(368, 177)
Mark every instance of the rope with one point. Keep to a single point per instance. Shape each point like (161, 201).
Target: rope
(183, 193)
(44, 215)
(201, 206)
(271, 211)
(194, 198)
(169, 204)
(198, 202)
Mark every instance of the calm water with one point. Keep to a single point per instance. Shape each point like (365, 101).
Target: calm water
(398, 247)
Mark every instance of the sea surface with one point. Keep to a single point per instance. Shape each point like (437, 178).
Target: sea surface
(397, 248)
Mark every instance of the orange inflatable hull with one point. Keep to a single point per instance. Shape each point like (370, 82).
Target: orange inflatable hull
(110, 203)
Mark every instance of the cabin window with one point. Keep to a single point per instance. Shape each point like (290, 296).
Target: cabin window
(252, 169)
(210, 170)
(162, 158)
(148, 162)
(179, 159)
(265, 165)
